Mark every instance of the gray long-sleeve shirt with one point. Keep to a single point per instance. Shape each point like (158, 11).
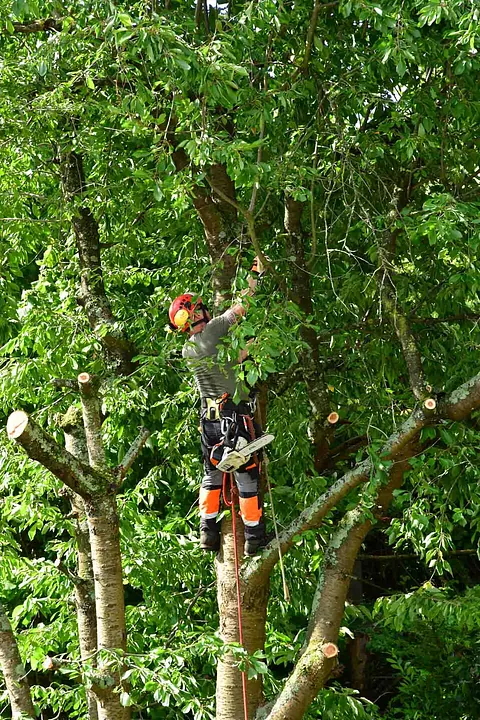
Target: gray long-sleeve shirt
(200, 352)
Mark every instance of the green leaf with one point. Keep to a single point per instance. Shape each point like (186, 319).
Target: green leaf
(181, 63)
(125, 19)
(401, 67)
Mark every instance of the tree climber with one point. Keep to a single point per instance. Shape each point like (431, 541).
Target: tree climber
(218, 386)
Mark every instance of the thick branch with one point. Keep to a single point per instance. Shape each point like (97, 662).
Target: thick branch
(93, 297)
(315, 665)
(457, 406)
(92, 420)
(40, 446)
(133, 452)
(76, 444)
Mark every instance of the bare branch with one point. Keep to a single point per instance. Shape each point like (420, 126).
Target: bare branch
(133, 452)
(40, 446)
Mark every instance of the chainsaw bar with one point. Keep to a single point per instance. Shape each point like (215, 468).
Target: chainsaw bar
(233, 459)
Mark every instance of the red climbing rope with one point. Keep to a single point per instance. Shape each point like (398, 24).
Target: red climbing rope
(231, 503)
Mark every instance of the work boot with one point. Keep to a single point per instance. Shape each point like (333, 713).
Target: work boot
(255, 539)
(209, 535)
(253, 545)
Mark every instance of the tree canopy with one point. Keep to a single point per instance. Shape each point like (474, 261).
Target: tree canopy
(148, 148)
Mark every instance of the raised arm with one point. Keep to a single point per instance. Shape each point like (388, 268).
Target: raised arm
(239, 309)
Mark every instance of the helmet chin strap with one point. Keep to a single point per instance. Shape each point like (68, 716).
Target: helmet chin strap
(205, 316)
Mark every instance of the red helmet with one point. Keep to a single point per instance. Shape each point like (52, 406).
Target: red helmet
(181, 311)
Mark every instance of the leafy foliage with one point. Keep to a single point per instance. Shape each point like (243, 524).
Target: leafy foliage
(373, 130)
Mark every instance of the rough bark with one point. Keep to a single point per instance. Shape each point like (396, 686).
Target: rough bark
(118, 350)
(76, 444)
(13, 672)
(254, 598)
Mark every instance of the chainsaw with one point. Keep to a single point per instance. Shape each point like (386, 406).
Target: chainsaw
(234, 458)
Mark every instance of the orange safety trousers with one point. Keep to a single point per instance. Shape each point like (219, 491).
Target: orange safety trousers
(246, 479)
(250, 507)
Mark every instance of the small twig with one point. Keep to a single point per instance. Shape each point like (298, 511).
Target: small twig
(251, 231)
(73, 577)
(202, 589)
(286, 592)
(142, 214)
(251, 207)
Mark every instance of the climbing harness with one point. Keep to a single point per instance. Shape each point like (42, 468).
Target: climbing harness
(239, 442)
(231, 503)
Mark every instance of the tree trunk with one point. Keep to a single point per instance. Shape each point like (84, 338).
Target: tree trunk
(97, 488)
(313, 668)
(13, 672)
(254, 599)
(76, 444)
(103, 526)
(117, 348)
(220, 223)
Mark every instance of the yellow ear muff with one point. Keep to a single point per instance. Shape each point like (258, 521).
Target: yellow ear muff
(181, 318)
